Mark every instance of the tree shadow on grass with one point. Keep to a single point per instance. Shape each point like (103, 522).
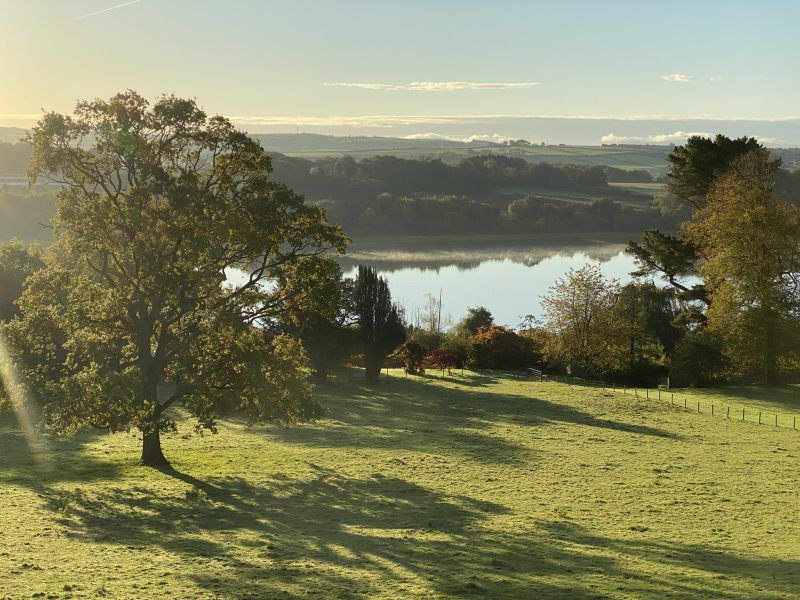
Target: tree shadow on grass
(57, 459)
(412, 414)
(364, 537)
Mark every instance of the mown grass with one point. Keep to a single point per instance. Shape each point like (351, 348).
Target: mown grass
(416, 488)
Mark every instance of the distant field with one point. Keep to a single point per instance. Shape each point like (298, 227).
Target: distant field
(420, 488)
(646, 189)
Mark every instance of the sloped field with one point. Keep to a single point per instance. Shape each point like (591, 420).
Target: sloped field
(418, 488)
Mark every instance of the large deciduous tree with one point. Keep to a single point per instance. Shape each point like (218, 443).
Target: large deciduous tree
(380, 326)
(751, 242)
(132, 311)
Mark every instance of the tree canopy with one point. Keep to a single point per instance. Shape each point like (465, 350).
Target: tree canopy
(751, 243)
(133, 310)
(694, 166)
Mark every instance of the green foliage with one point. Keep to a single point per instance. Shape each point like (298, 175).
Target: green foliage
(531, 209)
(380, 326)
(698, 360)
(499, 347)
(579, 317)
(476, 317)
(664, 255)
(324, 321)
(751, 242)
(614, 175)
(694, 167)
(603, 208)
(131, 312)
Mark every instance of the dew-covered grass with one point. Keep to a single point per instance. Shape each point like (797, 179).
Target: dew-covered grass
(417, 488)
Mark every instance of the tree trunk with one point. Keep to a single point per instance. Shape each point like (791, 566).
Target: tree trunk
(372, 372)
(151, 450)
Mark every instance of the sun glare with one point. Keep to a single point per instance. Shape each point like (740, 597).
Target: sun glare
(19, 400)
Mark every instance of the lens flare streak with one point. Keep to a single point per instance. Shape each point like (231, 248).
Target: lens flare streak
(19, 400)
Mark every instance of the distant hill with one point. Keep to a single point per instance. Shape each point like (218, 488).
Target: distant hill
(11, 135)
(314, 142)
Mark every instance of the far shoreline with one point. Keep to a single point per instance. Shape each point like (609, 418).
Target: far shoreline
(427, 243)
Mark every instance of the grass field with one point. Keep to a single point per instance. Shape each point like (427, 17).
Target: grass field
(419, 488)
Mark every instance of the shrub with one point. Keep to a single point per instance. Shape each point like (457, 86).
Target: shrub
(498, 347)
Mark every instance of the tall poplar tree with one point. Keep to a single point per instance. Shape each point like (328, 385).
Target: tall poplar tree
(380, 326)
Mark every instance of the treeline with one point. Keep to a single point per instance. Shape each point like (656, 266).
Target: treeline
(344, 178)
(14, 157)
(386, 195)
(26, 214)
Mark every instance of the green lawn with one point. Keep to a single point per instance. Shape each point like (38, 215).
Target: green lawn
(419, 488)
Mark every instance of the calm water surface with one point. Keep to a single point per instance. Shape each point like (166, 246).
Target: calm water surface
(509, 282)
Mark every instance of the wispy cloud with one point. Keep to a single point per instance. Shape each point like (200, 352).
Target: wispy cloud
(99, 12)
(437, 86)
(677, 77)
(20, 117)
(715, 78)
(678, 136)
(497, 138)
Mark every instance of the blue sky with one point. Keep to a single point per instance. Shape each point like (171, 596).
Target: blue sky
(641, 71)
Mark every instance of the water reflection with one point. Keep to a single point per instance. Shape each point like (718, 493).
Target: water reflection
(508, 281)
(389, 261)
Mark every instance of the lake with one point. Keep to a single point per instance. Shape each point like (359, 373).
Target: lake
(509, 281)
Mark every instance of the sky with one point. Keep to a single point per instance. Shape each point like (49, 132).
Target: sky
(566, 71)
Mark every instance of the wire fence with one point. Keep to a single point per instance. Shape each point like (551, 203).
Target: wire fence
(710, 408)
(721, 410)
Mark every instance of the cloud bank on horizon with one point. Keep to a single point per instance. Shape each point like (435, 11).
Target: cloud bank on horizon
(677, 77)
(437, 86)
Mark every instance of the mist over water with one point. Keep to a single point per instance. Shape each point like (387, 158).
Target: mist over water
(509, 282)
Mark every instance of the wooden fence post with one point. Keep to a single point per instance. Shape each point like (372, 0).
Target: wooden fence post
(672, 399)
(647, 393)
(742, 415)
(684, 403)
(698, 407)
(759, 417)
(712, 410)
(776, 420)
